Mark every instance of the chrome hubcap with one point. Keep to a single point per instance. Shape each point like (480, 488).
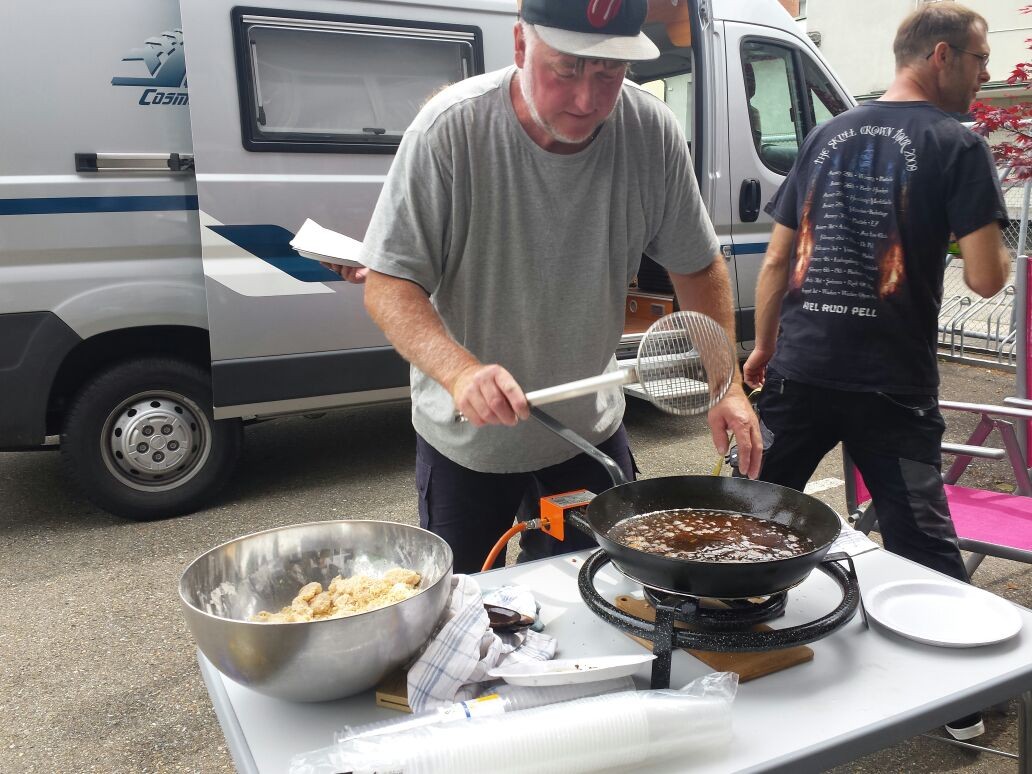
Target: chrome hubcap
(156, 441)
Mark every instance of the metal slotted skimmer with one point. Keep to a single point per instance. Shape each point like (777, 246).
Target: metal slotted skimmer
(685, 365)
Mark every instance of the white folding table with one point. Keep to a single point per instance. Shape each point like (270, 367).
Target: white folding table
(865, 689)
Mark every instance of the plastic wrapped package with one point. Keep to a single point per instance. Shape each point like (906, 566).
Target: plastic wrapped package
(618, 730)
(500, 699)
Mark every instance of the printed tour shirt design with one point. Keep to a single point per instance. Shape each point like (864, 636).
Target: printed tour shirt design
(848, 251)
(873, 198)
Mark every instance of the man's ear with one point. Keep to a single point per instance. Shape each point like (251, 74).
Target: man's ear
(939, 53)
(520, 46)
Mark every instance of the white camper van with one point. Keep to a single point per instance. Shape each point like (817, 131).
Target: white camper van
(153, 175)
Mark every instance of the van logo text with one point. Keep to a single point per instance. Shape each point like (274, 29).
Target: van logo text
(165, 60)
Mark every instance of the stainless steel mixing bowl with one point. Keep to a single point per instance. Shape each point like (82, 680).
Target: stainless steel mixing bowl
(317, 660)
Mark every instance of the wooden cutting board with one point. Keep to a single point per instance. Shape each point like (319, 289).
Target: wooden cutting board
(748, 666)
(392, 692)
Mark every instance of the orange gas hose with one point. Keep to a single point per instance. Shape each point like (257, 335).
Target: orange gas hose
(514, 530)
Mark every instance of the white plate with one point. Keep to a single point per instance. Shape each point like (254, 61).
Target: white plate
(571, 670)
(945, 613)
(328, 258)
(321, 244)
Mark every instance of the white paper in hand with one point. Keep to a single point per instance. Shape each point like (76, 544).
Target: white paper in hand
(321, 244)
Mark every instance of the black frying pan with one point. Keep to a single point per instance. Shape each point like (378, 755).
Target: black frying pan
(803, 514)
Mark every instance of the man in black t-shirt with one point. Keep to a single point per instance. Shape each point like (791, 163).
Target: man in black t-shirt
(854, 275)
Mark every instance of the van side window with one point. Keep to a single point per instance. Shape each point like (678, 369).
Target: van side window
(779, 116)
(316, 82)
(774, 115)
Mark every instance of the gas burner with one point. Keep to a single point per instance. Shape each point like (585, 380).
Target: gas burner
(726, 632)
(720, 614)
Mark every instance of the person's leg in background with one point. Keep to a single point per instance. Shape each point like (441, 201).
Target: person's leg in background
(895, 442)
(469, 509)
(801, 422)
(580, 472)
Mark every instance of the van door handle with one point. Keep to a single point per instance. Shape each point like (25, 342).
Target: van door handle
(749, 200)
(134, 162)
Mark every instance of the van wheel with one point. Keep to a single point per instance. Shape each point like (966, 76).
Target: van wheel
(141, 440)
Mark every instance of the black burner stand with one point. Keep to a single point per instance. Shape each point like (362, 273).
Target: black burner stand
(725, 632)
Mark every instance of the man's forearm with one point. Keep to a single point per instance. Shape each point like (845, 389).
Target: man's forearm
(771, 286)
(770, 289)
(403, 311)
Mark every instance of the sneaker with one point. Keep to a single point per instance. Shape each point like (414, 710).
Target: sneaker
(967, 727)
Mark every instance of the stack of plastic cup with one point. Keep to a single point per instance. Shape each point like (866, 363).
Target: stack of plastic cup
(620, 730)
(520, 697)
(507, 698)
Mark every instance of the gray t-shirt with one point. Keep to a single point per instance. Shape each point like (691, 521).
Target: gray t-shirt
(527, 254)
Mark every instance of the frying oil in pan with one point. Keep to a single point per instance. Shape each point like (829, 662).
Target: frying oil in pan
(705, 535)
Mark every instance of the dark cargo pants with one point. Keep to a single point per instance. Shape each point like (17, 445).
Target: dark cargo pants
(472, 510)
(893, 439)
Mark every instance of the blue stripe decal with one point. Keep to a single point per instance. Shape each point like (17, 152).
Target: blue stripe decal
(272, 244)
(80, 204)
(749, 249)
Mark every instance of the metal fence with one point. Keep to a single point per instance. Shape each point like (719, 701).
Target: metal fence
(984, 330)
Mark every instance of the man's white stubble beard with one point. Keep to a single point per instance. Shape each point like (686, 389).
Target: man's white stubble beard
(528, 96)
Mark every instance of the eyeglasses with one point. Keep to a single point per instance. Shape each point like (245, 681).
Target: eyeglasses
(569, 69)
(984, 58)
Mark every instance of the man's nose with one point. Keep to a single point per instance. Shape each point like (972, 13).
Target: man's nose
(584, 95)
(983, 75)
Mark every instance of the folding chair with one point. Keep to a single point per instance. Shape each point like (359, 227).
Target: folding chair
(987, 523)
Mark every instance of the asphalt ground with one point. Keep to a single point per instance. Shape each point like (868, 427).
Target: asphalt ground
(98, 670)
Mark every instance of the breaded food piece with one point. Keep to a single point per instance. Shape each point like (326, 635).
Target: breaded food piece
(400, 575)
(345, 596)
(299, 607)
(336, 586)
(321, 605)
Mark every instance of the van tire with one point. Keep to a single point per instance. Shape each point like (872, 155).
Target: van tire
(141, 441)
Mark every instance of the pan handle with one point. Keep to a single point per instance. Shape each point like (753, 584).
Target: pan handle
(557, 427)
(588, 386)
(575, 517)
(580, 387)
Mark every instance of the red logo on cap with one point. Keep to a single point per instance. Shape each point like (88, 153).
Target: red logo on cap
(601, 12)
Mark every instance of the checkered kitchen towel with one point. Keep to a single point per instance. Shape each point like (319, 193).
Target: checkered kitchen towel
(459, 656)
